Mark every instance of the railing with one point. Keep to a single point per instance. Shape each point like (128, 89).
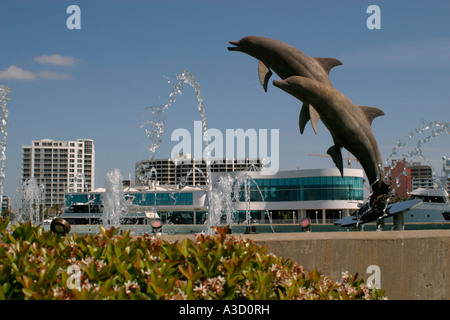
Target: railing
(294, 221)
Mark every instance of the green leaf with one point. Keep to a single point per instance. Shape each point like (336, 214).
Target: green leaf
(118, 251)
(27, 292)
(184, 247)
(190, 273)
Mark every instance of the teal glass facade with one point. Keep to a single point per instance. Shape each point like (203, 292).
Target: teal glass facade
(140, 199)
(270, 190)
(305, 189)
(162, 199)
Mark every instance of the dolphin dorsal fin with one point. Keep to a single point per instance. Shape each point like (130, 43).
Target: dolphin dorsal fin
(328, 63)
(371, 112)
(264, 74)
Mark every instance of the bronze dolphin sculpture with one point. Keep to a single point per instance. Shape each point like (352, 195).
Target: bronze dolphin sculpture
(286, 61)
(349, 125)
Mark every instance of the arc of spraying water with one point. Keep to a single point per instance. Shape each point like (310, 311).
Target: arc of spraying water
(442, 128)
(156, 126)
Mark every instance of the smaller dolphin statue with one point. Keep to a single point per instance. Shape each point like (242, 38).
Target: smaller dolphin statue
(350, 127)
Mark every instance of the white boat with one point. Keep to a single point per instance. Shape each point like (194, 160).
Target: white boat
(435, 207)
(425, 206)
(88, 213)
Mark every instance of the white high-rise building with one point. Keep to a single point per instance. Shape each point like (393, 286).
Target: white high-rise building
(189, 171)
(60, 167)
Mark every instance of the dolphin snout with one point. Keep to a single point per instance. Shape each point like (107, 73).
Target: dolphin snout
(294, 82)
(291, 85)
(234, 43)
(280, 83)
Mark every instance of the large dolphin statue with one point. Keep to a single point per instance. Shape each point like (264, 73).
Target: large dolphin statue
(348, 123)
(287, 61)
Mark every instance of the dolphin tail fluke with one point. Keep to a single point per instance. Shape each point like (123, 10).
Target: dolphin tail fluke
(336, 154)
(264, 74)
(308, 113)
(328, 63)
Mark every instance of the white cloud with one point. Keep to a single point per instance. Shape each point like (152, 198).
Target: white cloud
(45, 74)
(16, 73)
(56, 59)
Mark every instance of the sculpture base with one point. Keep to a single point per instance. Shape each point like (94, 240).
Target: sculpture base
(365, 215)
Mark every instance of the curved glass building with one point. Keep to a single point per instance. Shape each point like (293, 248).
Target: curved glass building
(321, 195)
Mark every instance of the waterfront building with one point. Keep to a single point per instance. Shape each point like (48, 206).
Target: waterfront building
(321, 195)
(60, 167)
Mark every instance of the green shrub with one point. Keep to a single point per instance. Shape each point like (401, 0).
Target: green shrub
(37, 264)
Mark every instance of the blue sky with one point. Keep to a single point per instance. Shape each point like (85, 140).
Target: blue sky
(116, 65)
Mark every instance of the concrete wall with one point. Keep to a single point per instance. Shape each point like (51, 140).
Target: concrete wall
(413, 264)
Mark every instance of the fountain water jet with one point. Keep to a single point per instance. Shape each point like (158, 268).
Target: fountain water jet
(220, 199)
(245, 180)
(184, 180)
(114, 203)
(442, 128)
(154, 128)
(32, 199)
(226, 196)
(4, 98)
